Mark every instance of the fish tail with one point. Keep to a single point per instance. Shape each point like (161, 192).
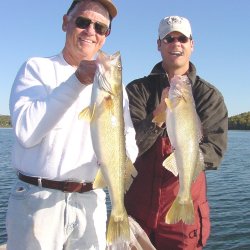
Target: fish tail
(180, 211)
(118, 231)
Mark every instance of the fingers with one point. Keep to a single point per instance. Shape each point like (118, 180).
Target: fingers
(86, 71)
(164, 94)
(161, 108)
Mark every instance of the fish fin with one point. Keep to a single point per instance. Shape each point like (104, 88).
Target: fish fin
(108, 103)
(180, 211)
(118, 231)
(199, 128)
(99, 181)
(87, 113)
(130, 174)
(170, 164)
(168, 103)
(108, 106)
(200, 165)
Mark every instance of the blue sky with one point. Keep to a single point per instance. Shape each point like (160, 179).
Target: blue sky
(220, 30)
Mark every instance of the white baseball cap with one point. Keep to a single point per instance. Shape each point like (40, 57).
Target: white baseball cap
(174, 23)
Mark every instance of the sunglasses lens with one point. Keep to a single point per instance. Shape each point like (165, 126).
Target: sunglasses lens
(181, 39)
(82, 23)
(169, 39)
(100, 28)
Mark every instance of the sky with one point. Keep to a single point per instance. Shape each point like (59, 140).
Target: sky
(220, 30)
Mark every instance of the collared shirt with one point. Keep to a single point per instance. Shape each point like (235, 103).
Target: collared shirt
(50, 141)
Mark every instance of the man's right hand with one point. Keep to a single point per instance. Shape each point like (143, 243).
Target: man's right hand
(86, 71)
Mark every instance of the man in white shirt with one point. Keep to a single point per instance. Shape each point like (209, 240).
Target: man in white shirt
(53, 205)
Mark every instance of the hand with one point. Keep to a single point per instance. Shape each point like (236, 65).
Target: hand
(160, 110)
(162, 105)
(86, 71)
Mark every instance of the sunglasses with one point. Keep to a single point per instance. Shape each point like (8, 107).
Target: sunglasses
(84, 23)
(171, 39)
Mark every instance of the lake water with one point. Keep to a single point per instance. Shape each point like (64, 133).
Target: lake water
(228, 192)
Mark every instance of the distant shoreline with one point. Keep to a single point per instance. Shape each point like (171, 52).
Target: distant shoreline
(228, 129)
(238, 122)
(5, 121)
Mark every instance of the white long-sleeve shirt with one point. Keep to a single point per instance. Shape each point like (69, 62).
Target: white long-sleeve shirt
(50, 141)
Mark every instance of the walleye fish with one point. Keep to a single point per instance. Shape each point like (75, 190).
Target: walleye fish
(184, 131)
(108, 138)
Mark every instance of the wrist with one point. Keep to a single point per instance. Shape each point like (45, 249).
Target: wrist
(78, 76)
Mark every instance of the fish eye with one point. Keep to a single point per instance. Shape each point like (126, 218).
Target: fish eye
(119, 66)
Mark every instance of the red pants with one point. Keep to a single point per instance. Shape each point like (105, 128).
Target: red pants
(153, 192)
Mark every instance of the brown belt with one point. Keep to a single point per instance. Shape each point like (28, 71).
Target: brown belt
(65, 186)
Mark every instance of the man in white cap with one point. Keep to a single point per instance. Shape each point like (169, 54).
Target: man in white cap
(53, 205)
(155, 188)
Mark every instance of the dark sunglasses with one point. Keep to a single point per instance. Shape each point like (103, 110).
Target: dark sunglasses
(100, 28)
(171, 39)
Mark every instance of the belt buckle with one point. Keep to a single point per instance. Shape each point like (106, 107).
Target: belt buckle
(71, 187)
(39, 182)
(65, 186)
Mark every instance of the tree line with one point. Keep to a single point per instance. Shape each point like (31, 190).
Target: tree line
(237, 122)
(5, 121)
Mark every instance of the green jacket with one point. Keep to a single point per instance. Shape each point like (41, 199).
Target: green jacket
(145, 94)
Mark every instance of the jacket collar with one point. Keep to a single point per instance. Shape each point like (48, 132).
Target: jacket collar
(158, 70)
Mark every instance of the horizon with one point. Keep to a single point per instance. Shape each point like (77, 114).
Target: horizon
(219, 58)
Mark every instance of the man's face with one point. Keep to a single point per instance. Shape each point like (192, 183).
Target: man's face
(175, 52)
(84, 43)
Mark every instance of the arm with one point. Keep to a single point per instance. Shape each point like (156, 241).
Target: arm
(35, 107)
(141, 109)
(214, 119)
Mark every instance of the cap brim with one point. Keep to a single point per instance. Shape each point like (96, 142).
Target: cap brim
(183, 32)
(110, 7)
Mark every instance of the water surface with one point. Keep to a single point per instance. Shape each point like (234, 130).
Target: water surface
(228, 192)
